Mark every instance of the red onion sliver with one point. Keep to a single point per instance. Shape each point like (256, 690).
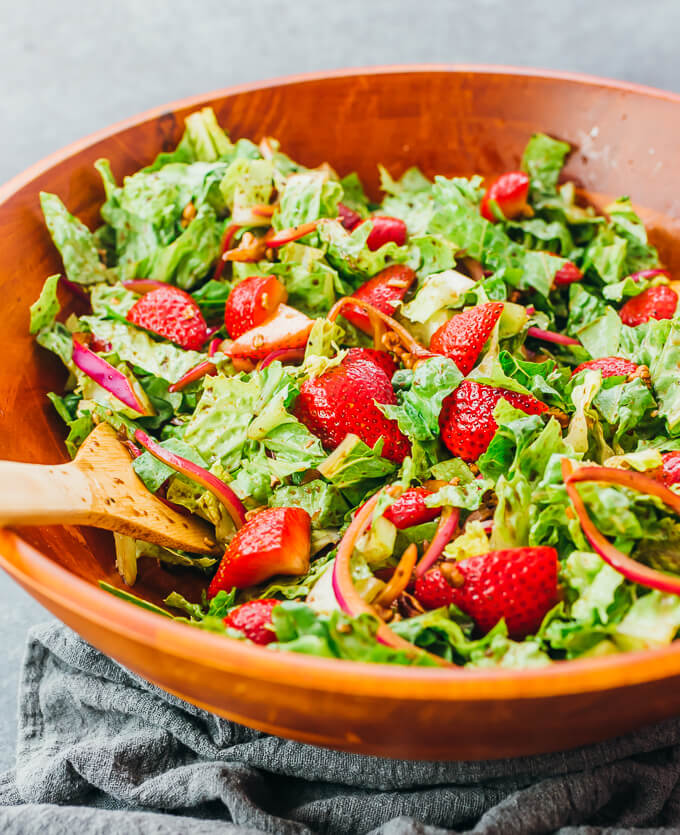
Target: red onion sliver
(143, 285)
(630, 568)
(642, 274)
(448, 522)
(227, 239)
(349, 600)
(106, 376)
(214, 346)
(283, 355)
(286, 236)
(76, 289)
(201, 476)
(551, 336)
(411, 344)
(203, 369)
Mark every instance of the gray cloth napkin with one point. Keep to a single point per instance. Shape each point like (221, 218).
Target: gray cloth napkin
(101, 751)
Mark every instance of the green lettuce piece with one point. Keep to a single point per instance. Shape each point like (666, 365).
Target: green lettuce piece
(606, 256)
(299, 629)
(324, 502)
(601, 337)
(218, 427)
(625, 406)
(170, 556)
(306, 197)
(203, 141)
(57, 338)
(46, 307)
(79, 424)
(161, 359)
(536, 233)
(652, 621)
(349, 255)
(189, 257)
(353, 194)
(408, 199)
(640, 254)
(247, 182)
(420, 395)
(500, 651)
(457, 217)
(354, 462)
(438, 292)
(412, 182)
(544, 380)
(311, 287)
(542, 160)
(467, 496)
(75, 243)
(111, 301)
(211, 297)
(155, 473)
(663, 369)
(436, 253)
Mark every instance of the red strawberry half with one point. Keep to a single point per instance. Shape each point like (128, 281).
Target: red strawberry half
(252, 302)
(341, 401)
(274, 541)
(254, 619)
(509, 192)
(670, 470)
(463, 337)
(382, 358)
(287, 328)
(654, 303)
(172, 314)
(385, 230)
(609, 366)
(466, 420)
(567, 274)
(382, 291)
(518, 584)
(410, 509)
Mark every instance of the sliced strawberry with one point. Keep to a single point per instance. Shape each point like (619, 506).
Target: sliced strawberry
(463, 337)
(382, 358)
(384, 230)
(274, 541)
(254, 619)
(670, 471)
(517, 584)
(466, 419)
(383, 291)
(567, 274)
(410, 509)
(172, 314)
(287, 328)
(610, 367)
(654, 303)
(251, 302)
(509, 192)
(348, 217)
(342, 401)
(433, 590)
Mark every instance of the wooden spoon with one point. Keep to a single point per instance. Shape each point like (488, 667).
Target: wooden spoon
(98, 488)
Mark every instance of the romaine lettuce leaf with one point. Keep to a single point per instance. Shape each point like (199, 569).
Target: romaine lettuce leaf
(349, 255)
(307, 197)
(46, 307)
(542, 160)
(75, 243)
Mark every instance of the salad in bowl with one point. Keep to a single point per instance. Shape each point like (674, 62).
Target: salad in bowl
(438, 429)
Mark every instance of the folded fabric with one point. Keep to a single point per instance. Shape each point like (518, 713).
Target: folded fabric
(100, 750)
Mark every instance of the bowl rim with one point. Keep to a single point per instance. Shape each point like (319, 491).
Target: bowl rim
(46, 579)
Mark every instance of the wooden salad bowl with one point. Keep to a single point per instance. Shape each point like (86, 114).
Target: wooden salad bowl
(447, 120)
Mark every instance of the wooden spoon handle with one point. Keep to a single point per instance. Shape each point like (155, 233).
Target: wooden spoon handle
(38, 494)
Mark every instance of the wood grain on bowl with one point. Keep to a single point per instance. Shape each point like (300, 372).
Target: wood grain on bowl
(448, 121)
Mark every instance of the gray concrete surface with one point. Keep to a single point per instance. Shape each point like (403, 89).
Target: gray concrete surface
(70, 68)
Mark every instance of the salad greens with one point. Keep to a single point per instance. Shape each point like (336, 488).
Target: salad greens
(170, 222)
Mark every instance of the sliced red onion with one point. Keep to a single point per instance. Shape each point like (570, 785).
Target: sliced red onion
(200, 475)
(76, 289)
(630, 568)
(203, 369)
(551, 336)
(283, 355)
(349, 599)
(286, 236)
(108, 377)
(448, 522)
(143, 285)
(409, 343)
(214, 346)
(642, 274)
(227, 238)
